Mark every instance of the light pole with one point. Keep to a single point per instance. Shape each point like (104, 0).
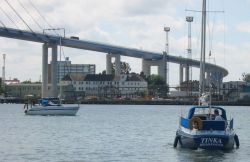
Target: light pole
(3, 72)
(166, 65)
(189, 19)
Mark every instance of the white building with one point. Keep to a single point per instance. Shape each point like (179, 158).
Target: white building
(108, 86)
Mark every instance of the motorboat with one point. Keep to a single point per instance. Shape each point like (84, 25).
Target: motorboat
(49, 106)
(199, 129)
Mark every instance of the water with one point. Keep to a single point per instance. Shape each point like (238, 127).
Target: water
(108, 133)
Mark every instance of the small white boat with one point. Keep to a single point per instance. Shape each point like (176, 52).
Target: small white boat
(49, 106)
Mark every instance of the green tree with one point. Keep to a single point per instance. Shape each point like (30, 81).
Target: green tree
(103, 72)
(155, 80)
(1, 90)
(125, 68)
(143, 75)
(26, 82)
(157, 86)
(246, 77)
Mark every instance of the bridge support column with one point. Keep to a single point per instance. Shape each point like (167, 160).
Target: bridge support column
(117, 64)
(181, 74)
(217, 78)
(54, 92)
(208, 75)
(162, 71)
(45, 71)
(108, 64)
(146, 67)
(187, 73)
(161, 64)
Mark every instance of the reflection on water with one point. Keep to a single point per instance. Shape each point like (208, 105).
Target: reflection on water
(205, 155)
(108, 133)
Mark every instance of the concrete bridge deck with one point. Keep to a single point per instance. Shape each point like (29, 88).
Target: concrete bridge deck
(104, 48)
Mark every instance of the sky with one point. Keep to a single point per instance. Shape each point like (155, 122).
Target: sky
(130, 23)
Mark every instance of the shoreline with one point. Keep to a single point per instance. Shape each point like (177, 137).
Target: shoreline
(144, 102)
(136, 102)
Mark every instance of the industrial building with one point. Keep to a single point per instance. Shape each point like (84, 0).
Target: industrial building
(66, 67)
(234, 90)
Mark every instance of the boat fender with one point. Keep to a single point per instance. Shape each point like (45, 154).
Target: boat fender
(237, 142)
(197, 122)
(25, 107)
(176, 140)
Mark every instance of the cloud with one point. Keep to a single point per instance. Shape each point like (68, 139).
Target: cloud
(130, 23)
(133, 23)
(144, 7)
(244, 27)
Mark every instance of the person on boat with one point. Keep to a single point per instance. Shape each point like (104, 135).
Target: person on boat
(217, 115)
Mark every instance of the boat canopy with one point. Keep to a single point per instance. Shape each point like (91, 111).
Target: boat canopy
(193, 109)
(47, 101)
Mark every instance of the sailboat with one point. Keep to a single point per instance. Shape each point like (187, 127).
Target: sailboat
(50, 105)
(205, 126)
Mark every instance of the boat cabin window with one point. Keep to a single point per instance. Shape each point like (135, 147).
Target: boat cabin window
(205, 114)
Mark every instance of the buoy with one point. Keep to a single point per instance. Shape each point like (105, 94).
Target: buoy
(197, 122)
(176, 140)
(237, 142)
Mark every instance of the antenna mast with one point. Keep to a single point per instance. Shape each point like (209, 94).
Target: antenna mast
(203, 49)
(3, 70)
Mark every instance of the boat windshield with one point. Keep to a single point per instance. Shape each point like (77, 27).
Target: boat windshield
(206, 111)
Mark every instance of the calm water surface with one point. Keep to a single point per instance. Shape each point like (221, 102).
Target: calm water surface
(108, 133)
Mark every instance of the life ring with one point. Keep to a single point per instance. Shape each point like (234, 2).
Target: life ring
(25, 107)
(197, 122)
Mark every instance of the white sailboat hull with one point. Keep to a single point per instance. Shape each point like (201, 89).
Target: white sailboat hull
(52, 110)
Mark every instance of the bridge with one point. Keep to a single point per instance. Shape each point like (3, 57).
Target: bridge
(213, 72)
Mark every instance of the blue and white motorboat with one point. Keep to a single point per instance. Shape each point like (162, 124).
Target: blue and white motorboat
(199, 129)
(49, 106)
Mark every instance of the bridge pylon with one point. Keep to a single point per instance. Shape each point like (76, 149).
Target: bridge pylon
(117, 64)
(146, 67)
(45, 77)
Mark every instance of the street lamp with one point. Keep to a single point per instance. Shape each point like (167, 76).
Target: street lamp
(166, 65)
(3, 72)
(189, 19)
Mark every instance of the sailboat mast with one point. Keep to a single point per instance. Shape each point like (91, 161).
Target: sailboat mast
(203, 49)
